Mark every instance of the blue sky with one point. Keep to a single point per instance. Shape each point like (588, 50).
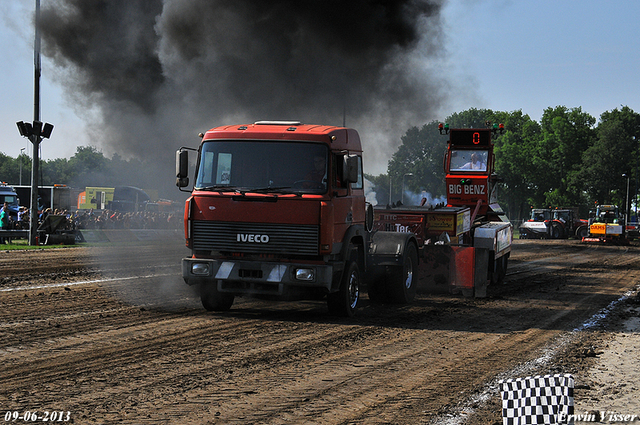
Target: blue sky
(16, 89)
(499, 54)
(530, 55)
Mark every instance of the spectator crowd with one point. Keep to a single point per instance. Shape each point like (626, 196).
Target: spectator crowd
(104, 219)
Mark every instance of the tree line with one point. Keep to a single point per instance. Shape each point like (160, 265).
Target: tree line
(568, 159)
(89, 167)
(565, 160)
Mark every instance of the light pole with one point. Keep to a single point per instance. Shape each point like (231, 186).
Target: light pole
(635, 197)
(35, 132)
(407, 174)
(389, 188)
(20, 160)
(627, 205)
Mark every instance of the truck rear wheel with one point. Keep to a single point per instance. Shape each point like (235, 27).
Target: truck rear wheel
(344, 302)
(556, 231)
(500, 270)
(403, 280)
(582, 232)
(212, 300)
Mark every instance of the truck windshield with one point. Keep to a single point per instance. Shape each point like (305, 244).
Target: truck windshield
(540, 215)
(606, 214)
(265, 166)
(472, 160)
(9, 199)
(564, 216)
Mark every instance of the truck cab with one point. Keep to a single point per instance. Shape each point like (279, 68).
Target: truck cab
(469, 165)
(538, 225)
(278, 211)
(567, 223)
(8, 194)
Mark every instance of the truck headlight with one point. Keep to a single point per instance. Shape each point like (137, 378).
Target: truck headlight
(307, 275)
(201, 269)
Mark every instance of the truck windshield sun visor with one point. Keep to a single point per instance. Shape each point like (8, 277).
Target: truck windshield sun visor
(256, 166)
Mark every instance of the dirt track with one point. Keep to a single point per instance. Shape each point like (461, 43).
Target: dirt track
(112, 335)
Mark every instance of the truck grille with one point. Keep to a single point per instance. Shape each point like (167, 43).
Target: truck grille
(262, 238)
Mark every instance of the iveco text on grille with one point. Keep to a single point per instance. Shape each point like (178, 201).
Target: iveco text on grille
(240, 237)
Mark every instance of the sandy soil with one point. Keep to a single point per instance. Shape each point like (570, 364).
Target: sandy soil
(610, 389)
(112, 335)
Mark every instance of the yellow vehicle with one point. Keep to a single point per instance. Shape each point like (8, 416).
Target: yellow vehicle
(607, 225)
(119, 198)
(95, 197)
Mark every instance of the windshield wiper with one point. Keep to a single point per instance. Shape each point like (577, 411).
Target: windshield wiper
(244, 190)
(267, 189)
(220, 187)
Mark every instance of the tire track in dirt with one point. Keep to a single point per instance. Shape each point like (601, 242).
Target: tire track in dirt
(76, 263)
(266, 363)
(167, 336)
(578, 255)
(27, 315)
(467, 368)
(513, 347)
(346, 387)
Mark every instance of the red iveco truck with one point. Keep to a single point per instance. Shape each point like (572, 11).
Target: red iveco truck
(278, 211)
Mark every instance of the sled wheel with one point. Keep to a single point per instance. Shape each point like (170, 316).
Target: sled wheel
(403, 280)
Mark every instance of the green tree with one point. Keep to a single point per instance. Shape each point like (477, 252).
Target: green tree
(89, 167)
(471, 118)
(8, 168)
(513, 151)
(24, 169)
(380, 187)
(55, 171)
(614, 153)
(566, 135)
(417, 164)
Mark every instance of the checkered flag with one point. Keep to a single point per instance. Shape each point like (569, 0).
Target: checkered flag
(537, 400)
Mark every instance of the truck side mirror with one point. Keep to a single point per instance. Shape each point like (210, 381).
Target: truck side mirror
(182, 168)
(350, 169)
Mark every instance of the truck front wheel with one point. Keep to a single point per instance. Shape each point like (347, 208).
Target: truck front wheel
(212, 300)
(344, 302)
(404, 279)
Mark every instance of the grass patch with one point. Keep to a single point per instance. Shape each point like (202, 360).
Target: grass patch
(22, 244)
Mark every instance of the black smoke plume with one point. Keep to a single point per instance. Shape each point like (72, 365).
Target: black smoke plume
(159, 72)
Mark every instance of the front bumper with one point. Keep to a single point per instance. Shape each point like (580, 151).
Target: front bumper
(533, 233)
(256, 278)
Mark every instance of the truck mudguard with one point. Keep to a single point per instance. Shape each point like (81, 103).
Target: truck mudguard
(356, 235)
(387, 248)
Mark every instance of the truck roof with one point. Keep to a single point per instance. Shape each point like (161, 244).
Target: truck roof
(336, 137)
(5, 188)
